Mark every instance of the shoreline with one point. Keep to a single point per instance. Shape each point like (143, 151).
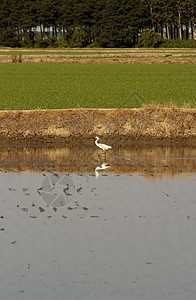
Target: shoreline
(149, 125)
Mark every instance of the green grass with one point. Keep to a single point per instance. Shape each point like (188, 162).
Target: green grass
(54, 86)
(57, 52)
(54, 53)
(89, 52)
(63, 53)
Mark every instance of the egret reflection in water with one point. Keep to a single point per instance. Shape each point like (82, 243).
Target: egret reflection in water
(101, 168)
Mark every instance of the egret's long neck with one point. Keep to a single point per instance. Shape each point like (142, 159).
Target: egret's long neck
(96, 142)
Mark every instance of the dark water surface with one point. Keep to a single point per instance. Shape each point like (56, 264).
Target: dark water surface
(77, 225)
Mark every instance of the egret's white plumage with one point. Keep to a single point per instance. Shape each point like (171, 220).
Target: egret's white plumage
(101, 146)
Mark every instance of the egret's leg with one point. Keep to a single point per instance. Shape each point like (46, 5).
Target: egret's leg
(102, 156)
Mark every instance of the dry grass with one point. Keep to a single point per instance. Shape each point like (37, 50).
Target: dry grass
(149, 124)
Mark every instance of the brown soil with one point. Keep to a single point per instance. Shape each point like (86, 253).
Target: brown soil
(130, 58)
(102, 55)
(151, 124)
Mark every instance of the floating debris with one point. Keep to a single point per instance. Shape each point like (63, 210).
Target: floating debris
(41, 209)
(55, 174)
(65, 190)
(85, 208)
(79, 189)
(38, 190)
(25, 209)
(12, 189)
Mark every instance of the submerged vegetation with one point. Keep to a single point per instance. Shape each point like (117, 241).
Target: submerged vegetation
(58, 86)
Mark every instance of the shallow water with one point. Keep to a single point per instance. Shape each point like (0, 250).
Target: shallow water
(69, 230)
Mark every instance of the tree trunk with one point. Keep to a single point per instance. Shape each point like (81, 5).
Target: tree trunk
(41, 32)
(175, 31)
(161, 31)
(44, 33)
(182, 32)
(167, 30)
(18, 33)
(151, 13)
(179, 25)
(193, 31)
(171, 30)
(187, 32)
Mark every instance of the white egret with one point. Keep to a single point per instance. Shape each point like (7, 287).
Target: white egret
(101, 146)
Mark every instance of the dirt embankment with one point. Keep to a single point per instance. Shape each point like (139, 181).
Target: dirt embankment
(144, 58)
(147, 125)
(100, 55)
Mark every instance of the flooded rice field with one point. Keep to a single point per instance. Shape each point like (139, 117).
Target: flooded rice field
(75, 224)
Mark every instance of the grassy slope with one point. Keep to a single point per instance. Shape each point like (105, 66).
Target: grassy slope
(32, 86)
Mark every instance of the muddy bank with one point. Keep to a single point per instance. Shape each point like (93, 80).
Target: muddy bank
(126, 126)
(133, 58)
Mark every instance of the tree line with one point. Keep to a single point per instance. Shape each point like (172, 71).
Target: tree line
(95, 23)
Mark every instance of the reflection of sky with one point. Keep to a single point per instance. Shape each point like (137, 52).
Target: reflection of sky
(26, 188)
(120, 237)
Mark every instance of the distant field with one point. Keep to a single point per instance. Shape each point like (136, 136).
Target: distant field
(54, 86)
(50, 52)
(178, 52)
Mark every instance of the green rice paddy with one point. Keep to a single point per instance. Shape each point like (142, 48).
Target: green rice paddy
(57, 86)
